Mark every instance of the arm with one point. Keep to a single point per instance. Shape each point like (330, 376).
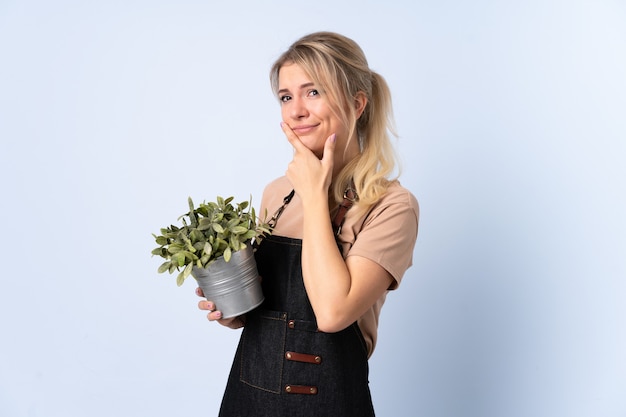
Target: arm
(340, 291)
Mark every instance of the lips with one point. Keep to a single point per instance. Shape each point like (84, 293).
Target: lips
(304, 129)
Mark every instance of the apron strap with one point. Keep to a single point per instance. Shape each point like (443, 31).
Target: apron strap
(279, 212)
(349, 197)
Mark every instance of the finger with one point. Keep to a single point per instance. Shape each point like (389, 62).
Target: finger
(214, 315)
(293, 138)
(199, 292)
(232, 323)
(329, 150)
(206, 305)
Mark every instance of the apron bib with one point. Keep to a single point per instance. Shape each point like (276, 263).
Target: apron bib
(284, 366)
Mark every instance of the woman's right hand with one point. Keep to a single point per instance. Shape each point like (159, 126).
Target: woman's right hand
(215, 315)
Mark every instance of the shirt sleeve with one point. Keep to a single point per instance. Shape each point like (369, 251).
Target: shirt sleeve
(388, 234)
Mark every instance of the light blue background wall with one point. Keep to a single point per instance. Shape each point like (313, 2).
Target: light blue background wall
(513, 128)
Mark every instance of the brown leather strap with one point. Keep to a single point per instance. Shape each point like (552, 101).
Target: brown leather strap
(301, 389)
(303, 357)
(349, 197)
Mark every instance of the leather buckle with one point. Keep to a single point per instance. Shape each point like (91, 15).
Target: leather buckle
(301, 389)
(303, 357)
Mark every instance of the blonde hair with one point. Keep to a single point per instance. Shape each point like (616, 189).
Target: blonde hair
(339, 66)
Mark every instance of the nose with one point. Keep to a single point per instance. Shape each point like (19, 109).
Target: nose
(297, 109)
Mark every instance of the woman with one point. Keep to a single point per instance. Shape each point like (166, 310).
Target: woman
(343, 237)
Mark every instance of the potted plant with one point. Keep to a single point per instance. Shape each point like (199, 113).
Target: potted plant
(214, 245)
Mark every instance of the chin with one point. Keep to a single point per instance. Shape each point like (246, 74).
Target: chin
(313, 146)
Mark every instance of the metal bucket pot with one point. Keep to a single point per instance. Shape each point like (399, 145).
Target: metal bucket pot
(234, 286)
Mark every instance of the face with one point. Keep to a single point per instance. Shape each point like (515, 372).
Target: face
(305, 108)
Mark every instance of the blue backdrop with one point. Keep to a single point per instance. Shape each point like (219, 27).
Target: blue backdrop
(513, 128)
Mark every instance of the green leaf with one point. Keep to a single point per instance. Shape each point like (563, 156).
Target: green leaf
(234, 242)
(161, 240)
(165, 266)
(238, 230)
(203, 210)
(208, 249)
(218, 228)
(248, 235)
(204, 224)
(180, 279)
(158, 252)
(193, 219)
(189, 246)
(227, 254)
(196, 235)
(179, 258)
(171, 235)
(175, 248)
(261, 230)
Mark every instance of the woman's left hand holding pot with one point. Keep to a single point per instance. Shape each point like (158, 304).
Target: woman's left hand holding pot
(216, 315)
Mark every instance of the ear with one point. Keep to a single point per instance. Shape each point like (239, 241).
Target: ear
(360, 101)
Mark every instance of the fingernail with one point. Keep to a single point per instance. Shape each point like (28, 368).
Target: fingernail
(210, 306)
(333, 137)
(281, 124)
(218, 314)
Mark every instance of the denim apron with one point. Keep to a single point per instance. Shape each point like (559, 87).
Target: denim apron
(284, 366)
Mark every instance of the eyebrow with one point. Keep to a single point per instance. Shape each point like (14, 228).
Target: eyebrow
(305, 85)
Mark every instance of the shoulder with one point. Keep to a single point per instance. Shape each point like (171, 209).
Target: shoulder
(386, 233)
(274, 193)
(278, 184)
(396, 199)
(290, 224)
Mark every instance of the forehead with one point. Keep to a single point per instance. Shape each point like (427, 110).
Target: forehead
(292, 74)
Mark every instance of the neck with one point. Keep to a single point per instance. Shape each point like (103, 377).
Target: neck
(344, 158)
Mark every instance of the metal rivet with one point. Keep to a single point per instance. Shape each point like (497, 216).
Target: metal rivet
(288, 388)
(313, 390)
(318, 359)
(292, 324)
(288, 355)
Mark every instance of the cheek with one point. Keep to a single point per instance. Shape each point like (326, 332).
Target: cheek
(337, 126)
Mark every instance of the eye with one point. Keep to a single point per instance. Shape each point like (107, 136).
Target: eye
(313, 93)
(284, 98)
